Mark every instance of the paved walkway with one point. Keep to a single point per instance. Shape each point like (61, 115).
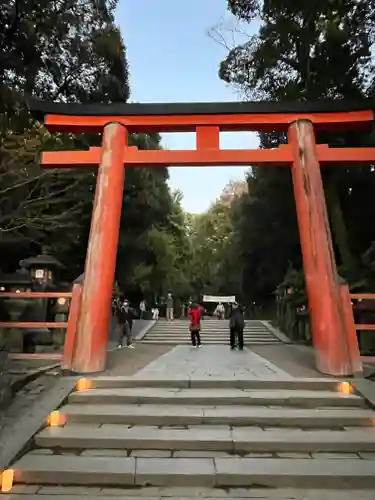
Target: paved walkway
(211, 361)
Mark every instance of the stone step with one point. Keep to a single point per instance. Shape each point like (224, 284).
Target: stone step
(209, 335)
(221, 331)
(171, 341)
(214, 382)
(216, 397)
(238, 440)
(204, 331)
(234, 415)
(207, 325)
(210, 321)
(40, 492)
(204, 335)
(206, 341)
(201, 472)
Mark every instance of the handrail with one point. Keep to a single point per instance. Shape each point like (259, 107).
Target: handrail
(33, 324)
(34, 295)
(364, 296)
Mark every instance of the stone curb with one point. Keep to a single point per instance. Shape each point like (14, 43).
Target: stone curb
(18, 440)
(199, 472)
(23, 380)
(280, 335)
(144, 331)
(366, 389)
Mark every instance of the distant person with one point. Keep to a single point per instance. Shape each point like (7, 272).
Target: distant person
(169, 310)
(194, 315)
(142, 309)
(125, 316)
(236, 326)
(155, 313)
(220, 311)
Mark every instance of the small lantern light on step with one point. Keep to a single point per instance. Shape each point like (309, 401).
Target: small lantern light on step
(6, 480)
(345, 388)
(56, 418)
(83, 384)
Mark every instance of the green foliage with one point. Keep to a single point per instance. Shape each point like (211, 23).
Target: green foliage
(69, 49)
(302, 51)
(213, 267)
(72, 51)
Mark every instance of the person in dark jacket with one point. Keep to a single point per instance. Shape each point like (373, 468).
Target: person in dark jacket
(236, 326)
(125, 316)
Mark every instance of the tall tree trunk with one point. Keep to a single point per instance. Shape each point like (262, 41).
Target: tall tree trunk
(339, 230)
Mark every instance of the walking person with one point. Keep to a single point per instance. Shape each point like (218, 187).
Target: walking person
(236, 326)
(155, 312)
(142, 309)
(169, 310)
(125, 320)
(194, 314)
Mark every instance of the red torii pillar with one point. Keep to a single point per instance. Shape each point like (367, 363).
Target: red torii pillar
(336, 353)
(91, 339)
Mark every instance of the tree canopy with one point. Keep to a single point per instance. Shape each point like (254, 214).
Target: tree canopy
(301, 51)
(72, 51)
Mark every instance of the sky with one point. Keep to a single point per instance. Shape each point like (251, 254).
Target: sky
(172, 59)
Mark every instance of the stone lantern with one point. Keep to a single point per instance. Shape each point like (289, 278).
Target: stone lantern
(42, 269)
(15, 308)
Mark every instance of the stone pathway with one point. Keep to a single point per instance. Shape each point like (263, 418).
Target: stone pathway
(231, 424)
(211, 361)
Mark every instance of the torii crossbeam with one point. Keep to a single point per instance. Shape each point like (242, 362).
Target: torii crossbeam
(333, 333)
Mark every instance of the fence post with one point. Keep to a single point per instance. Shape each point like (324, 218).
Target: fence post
(70, 338)
(351, 332)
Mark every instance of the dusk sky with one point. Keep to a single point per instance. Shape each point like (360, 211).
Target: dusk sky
(172, 59)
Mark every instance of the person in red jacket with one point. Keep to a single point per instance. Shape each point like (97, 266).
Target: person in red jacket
(194, 314)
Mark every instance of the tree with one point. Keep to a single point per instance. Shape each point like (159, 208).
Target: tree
(306, 50)
(71, 50)
(212, 237)
(65, 50)
(301, 51)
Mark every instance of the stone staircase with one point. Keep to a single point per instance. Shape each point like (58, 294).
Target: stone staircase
(213, 332)
(212, 438)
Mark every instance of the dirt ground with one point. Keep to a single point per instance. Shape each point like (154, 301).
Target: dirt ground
(127, 362)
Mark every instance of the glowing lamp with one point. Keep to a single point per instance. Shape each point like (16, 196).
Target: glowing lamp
(56, 418)
(6, 480)
(83, 384)
(345, 388)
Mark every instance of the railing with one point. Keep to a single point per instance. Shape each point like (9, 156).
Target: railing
(34, 295)
(364, 296)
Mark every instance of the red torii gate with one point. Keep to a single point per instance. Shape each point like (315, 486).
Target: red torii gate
(333, 329)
